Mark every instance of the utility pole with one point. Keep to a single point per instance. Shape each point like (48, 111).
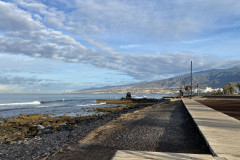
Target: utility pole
(191, 80)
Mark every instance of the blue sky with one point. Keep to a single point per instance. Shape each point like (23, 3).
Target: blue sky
(62, 45)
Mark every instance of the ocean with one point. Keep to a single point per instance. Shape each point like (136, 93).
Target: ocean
(57, 104)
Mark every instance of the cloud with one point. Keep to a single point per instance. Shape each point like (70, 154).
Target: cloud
(23, 81)
(121, 19)
(49, 15)
(37, 30)
(14, 19)
(152, 20)
(130, 46)
(99, 45)
(22, 34)
(10, 89)
(18, 84)
(11, 63)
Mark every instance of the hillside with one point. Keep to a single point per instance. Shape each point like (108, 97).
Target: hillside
(216, 78)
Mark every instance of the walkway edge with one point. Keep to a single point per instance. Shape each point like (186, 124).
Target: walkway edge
(221, 132)
(145, 155)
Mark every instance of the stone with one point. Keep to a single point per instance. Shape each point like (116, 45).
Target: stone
(128, 96)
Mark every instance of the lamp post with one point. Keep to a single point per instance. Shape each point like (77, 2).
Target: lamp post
(191, 80)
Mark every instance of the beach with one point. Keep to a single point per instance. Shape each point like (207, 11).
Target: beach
(165, 127)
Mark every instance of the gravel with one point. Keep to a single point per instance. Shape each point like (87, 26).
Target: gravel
(162, 128)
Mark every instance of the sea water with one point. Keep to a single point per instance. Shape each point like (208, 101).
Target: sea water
(58, 104)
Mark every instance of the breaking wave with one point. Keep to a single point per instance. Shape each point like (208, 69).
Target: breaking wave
(21, 103)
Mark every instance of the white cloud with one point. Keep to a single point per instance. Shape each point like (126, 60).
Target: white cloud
(130, 46)
(51, 15)
(24, 35)
(14, 19)
(152, 20)
(42, 31)
(99, 45)
(11, 89)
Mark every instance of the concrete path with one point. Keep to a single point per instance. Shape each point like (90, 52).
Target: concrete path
(221, 132)
(139, 155)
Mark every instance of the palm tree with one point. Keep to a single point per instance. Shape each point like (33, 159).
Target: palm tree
(219, 92)
(231, 88)
(225, 90)
(238, 86)
(228, 89)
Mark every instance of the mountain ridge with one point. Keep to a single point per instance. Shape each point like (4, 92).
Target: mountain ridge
(215, 78)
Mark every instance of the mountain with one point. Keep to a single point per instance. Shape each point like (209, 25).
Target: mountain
(216, 78)
(105, 87)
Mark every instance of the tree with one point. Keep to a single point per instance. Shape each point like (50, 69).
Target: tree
(214, 92)
(238, 86)
(231, 88)
(219, 92)
(225, 90)
(228, 89)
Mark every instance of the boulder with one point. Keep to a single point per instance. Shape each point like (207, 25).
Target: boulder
(128, 96)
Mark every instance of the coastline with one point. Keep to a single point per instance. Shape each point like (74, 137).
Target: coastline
(25, 126)
(68, 137)
(57, 105)
(62, 131)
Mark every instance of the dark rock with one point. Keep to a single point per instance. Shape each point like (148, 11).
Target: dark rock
(128, 96)
(48, 142)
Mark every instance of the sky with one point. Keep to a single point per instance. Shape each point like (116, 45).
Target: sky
(65, 45)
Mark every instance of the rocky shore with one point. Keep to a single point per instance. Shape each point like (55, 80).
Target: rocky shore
(47, 144)
(165, 126)
(26, 140)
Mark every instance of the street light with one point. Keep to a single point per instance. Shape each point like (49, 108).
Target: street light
(191, 80)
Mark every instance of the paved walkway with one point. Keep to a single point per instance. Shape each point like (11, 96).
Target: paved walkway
(138, 155)
(221, 132)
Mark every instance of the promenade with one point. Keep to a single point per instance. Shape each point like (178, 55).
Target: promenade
(220, 131)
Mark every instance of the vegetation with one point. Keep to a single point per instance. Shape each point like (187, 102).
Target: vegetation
(126, 104)
(30, 125)
(238, 86)
(217, 92)
(115, 109)
(228, 89)
(127, 101)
